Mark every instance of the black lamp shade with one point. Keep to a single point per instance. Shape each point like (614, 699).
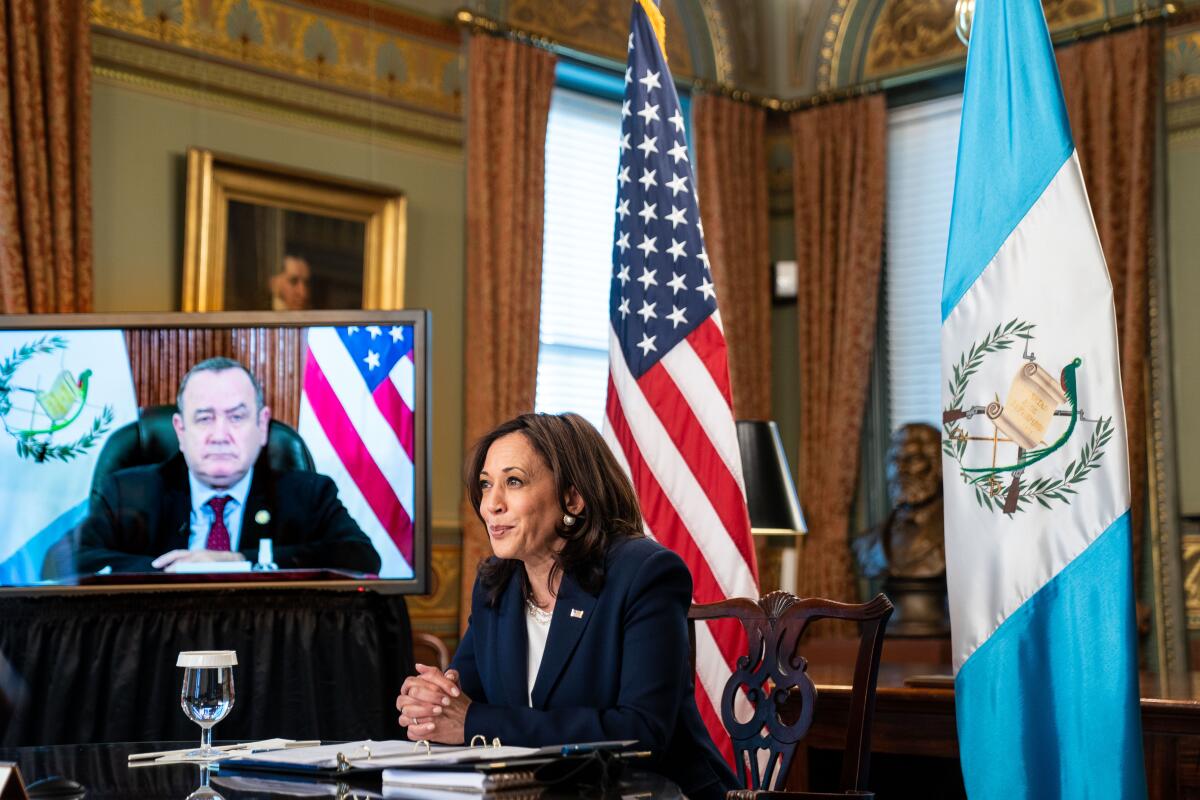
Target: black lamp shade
(770, 491)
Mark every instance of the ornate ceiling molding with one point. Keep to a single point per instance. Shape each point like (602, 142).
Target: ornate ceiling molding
(718, 33)
(1182, 78)
(598, 26)
(869, 41)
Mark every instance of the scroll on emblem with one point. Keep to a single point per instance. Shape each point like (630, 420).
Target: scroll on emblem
(1032, 400)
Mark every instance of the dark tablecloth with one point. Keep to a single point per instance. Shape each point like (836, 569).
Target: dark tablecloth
(312, 664)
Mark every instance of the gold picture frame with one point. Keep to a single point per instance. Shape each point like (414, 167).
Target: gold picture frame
(227, 194)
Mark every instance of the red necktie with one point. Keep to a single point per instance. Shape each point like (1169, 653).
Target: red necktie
(218, 534)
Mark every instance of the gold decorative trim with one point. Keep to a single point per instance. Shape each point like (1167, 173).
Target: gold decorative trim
(907, 37)
(597, 29)
(832, 41)
(437, 611)
(1182, 79)
(909, 34)
(186, 77)
(1183, 115)
(1185, 135)
(1162, 462)
(1191, 580)
(299, 44)
(718, 35)
(388, 16)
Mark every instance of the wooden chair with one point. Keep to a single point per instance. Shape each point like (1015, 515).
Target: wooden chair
(428, 648)
(774, 674)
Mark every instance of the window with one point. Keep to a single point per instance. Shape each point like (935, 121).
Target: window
(582, 134)
(922, 150)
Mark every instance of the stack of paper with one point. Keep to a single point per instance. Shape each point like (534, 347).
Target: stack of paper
(391, 792)
(464, 780)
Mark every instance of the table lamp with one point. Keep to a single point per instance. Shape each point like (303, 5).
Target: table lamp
(770, 491)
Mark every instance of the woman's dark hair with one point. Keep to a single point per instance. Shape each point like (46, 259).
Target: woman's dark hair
(577, 458)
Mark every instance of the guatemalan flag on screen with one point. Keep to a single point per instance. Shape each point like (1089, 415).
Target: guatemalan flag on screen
(1034, 450)
(356, 417)
(62, 394)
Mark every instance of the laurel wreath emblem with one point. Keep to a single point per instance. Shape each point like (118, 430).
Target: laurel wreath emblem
(1045, 489)
(30, 446)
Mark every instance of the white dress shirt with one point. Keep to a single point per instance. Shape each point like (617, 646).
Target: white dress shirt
(537, 631)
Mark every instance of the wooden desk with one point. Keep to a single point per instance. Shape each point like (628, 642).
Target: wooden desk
(914, 739)
(104, 771)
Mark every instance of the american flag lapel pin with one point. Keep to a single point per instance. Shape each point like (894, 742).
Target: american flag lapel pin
(576, 613)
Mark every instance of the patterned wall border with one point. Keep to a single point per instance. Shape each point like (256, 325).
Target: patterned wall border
(1183, 119)
(182, 76)
(315, 46)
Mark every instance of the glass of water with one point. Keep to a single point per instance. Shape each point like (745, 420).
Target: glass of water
(207, 694)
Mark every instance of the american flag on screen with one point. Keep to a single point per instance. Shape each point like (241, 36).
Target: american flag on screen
(669, 414)
(356, 416)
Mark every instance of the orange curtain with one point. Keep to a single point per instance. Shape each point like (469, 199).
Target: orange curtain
(45, 156)
(508, 103)
(839, 153)
(731, 171)
(1112, 86)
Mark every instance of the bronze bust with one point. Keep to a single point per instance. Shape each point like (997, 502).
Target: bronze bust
(907, 550)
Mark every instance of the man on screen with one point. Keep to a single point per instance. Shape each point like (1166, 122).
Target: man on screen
(216, 498)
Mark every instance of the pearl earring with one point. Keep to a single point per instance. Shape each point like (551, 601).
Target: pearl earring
(568, 520)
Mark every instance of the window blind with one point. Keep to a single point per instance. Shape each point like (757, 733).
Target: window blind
(582, 135)
(922, 151)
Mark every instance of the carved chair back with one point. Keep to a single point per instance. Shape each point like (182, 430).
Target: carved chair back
(773, 674)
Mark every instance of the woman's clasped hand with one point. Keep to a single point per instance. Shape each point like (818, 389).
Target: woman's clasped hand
(432, 706)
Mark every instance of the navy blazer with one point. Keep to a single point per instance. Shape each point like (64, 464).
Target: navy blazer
(616, 666)
(137, 514)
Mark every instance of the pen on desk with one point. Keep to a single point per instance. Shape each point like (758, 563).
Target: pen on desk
(590, 747)
(237, 748)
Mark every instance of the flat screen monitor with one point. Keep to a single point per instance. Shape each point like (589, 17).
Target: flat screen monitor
(103, 479)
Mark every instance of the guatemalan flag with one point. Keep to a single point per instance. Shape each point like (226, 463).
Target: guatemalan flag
(1034, 451)
(356, 417)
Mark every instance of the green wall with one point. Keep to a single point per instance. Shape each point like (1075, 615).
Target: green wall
(1183, 240)
(139, 142)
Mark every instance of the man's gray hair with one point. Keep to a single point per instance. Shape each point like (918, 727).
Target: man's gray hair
(219, 364)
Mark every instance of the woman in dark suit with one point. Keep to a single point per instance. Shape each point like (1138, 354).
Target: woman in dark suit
(578, 627)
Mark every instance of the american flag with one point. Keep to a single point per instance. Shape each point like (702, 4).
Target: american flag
(356, 417)
(669, 415)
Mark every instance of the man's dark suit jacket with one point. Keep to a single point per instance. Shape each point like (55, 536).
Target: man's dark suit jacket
(137, 514)
(616, 666)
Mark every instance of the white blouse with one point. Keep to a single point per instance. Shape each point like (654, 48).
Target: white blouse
(537, 630)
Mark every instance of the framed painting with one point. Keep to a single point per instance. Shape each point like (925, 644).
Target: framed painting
(260, 237)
